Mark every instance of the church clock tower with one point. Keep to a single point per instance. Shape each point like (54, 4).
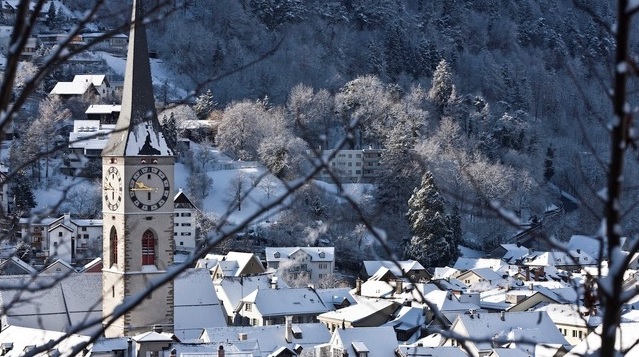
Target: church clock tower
(137, 207)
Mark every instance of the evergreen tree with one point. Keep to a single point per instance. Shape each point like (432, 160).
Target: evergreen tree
(442, 86)
(51, 14)
(454, 221)
(204, 105)
(432, 242)
(549, 169)
(24, 200)
(169, 128)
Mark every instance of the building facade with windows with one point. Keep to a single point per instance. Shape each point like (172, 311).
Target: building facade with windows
(184, 229)
(352, 166)
(315, 263)
(65, 238)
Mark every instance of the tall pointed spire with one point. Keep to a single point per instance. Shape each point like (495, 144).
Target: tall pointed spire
(138, 131)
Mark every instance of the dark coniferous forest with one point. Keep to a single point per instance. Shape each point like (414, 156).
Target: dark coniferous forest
(504, 102)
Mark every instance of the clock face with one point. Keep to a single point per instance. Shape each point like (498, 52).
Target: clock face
(112, 188)
(149, 188)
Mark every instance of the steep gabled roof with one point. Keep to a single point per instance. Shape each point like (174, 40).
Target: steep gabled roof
(138, 131)
(181, 201)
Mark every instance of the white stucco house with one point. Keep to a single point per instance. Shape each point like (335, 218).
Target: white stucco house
(313, 262)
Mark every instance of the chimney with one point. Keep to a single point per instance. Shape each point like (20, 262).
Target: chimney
(129, 347)
(288, 327)
(358, 286)
(157, 328)
(220, 351)
(399, 286)
(273, 282)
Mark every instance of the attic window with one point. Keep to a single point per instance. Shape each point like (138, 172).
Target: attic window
(322, 254)
(114, 160)
(276, 255)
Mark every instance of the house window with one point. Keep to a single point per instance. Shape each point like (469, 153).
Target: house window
(86, 236)
(113, 245)
(248, 307)
(574, 333)
(181, 243)
(580, 334)
(84, 229)
(186, 215)
(59, 234)
(148, 248)
(186, 224)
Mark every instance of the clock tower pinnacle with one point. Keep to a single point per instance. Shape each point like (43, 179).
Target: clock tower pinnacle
(137, 166)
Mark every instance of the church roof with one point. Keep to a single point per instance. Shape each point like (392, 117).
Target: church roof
(137, 132)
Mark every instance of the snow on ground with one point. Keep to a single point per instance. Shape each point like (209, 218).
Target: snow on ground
(159, 73)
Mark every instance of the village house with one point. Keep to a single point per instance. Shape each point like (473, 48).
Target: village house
(360, 342)
(184, 229)
(351, 166)
(573, 321)
(408, 269)
(89, 136)
(573, 260)
(62, 238)
(314, 263)
(231, 290)
(83, 86)
(481, 276)
(264, 307)
(236, 264)
(364, 314)
(16, 266)
(263, 341)
(495, 330)
(115, 44)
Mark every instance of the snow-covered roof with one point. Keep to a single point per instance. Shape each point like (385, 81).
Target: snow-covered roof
(514, 252)
(103, 108)
(573, 257)
(53, 306)
(263, 340)
(416, 350)
(570, 314)
(463, 263)
(446, 301)
(196, 304)
(335, 296)
(507, 327)
(28, 269)
(152, 336)
(396, 268)
(23, 337)
(626, 340)
(230, 290)
(58, 267)
(361, 311)
(380, 341)
(377, 289)
(79, 85)
(277, 302)
(444, 272)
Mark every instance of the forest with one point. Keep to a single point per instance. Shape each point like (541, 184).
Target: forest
(504, 102)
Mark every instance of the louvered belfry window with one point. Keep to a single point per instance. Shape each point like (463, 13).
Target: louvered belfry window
(148, 248)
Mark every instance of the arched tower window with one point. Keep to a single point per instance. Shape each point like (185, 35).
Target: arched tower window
(113, 246)
(148, 248)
